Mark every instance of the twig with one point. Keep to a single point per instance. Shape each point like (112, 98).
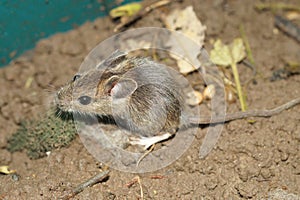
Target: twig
(157, 177)
(137, 179)
(141, 14)
(92, 181)
(276, 6)
(288, 27)
(141, 187)
(249, 113)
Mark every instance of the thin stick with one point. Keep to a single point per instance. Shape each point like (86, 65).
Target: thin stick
(277, 6)
(141, 14)
(135, 180)
(141, 187)
(250, 113)
(288, 27)
(90, 182)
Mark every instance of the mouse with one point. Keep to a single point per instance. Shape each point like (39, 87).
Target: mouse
(140, 95)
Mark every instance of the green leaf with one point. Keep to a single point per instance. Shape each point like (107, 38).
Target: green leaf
(237, 50)
(225, 55)
(220, 55)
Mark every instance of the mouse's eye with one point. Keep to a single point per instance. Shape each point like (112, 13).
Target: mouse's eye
(85, 100)
(76, 77)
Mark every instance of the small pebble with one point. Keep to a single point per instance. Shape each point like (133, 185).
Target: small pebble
(15, 177)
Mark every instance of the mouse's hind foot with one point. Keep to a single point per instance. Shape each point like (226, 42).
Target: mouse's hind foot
(149, 141)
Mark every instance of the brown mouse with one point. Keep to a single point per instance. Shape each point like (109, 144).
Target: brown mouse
(139, 95)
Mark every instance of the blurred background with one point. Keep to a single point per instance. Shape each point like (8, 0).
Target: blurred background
(23, 23)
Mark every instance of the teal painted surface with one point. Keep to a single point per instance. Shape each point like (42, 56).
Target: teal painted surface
(24, 22)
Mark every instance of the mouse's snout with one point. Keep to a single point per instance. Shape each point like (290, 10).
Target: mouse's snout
(58, 96)
(63, 99)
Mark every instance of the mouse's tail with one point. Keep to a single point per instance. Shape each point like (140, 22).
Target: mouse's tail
(246, 114)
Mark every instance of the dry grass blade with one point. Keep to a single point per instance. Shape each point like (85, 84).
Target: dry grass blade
(276, 6)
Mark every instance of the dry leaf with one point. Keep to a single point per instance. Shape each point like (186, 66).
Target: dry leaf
(186, 22)
(126, 10)
(183, 65)
(5, 170)
(292, 15)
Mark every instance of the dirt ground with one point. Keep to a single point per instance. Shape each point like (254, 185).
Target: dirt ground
(258, 160)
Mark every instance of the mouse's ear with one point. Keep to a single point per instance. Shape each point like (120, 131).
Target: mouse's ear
(114, 59)
(109, 85)
(124, 88)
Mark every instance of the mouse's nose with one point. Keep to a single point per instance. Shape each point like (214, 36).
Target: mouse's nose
(58, 95)
(61, 97)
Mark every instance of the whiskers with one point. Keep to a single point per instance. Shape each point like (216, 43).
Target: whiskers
(74, 115)
(51, 88)
(66, 116)
(48, 96)
(44, 101)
